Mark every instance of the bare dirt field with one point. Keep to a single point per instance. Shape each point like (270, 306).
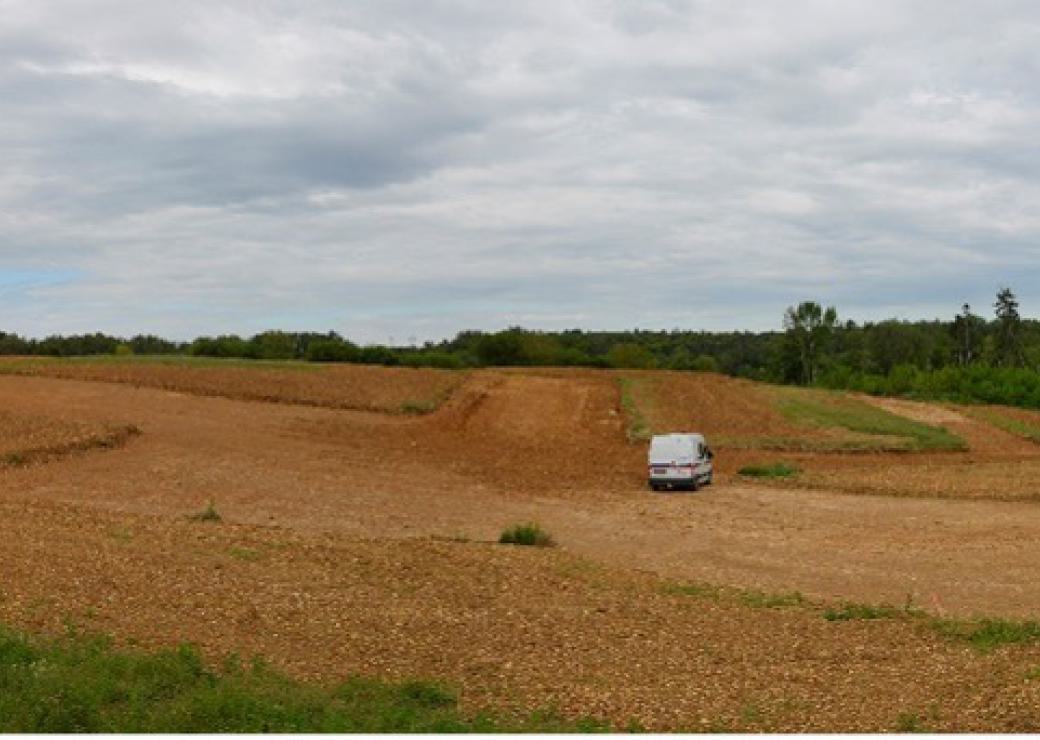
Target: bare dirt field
(359, 542)
(362, 387)
(27, 439)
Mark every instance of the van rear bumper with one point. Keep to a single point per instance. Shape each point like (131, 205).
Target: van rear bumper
(672, 480)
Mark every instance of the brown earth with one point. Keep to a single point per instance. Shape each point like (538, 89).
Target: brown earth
(363, 387)
(325, 563)
(28, 439)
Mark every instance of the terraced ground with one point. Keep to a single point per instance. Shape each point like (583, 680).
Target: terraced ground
(361, 542)
(27, 439)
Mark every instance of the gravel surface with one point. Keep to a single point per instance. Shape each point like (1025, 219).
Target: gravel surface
(362, 542)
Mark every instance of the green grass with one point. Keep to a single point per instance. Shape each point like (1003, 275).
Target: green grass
(530, 535)
(752, 598)
(418, 408)
(636, 429)
(246, 554)
(910, 722)
(77, 684)
(1009, 424)
(848, 612)
(209, 514)
(774, 470)
(766, 600)
(987, 634)
(832, 409)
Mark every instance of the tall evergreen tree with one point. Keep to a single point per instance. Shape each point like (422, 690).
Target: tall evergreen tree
(1008, 346)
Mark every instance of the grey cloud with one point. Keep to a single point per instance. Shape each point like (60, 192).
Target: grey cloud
(400, 167)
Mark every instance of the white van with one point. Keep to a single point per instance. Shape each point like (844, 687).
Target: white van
(679, 461)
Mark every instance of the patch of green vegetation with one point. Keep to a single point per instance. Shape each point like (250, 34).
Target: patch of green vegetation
(910, 722)
(748, 597)
(697, 590)
(1009, 424)
(209, 514)
(764, 600)
(247, 554)
(418, 408)
(773, 470)
(80, 685)
(530, 535)
(15, 459)
(751, 713)
(987, 634)
(831, 409)
(1033, 673)
(849, 611)
(636, 429)
(121, 534)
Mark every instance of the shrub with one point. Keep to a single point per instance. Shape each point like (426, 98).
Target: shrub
(530, 535)
(209, 514)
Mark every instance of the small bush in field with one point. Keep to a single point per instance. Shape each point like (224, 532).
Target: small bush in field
(530, 535)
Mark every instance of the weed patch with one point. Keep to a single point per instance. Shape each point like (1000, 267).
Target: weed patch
(246, 554)
(986, 634)
(910, 722)
(530, 535)
(209, 514)
(763, 600)
(418, 408)
(636, 429)
(848, 612)
(748, 597)
(774, 470)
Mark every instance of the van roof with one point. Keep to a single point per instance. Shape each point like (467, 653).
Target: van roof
(681, 435)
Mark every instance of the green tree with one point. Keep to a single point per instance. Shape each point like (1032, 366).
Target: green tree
(1007, 346)
(808, 329)
(968, 332)
(629, 354)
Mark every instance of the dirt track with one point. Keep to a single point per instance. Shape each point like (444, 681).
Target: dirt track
(508, 447)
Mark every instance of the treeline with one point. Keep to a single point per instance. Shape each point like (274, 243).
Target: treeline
(737, 353)
(966, 358)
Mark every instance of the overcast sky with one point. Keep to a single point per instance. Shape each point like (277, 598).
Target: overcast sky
(409, 169)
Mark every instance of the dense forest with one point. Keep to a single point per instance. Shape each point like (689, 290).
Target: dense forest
(966, 358)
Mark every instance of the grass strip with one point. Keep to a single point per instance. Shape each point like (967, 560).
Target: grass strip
(77, 684)
(825, 409)
(773, 470)
(636, 429)
(984, 634)
(1009, 424)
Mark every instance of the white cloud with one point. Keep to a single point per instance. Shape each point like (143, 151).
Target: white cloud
(401, 167)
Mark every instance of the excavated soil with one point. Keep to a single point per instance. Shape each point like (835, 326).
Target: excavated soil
(364, 542)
